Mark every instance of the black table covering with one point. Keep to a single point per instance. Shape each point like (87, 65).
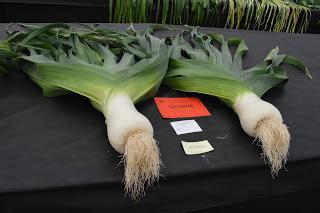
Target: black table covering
(54, 152)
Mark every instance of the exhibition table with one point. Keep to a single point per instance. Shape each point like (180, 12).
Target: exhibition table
(54, 152)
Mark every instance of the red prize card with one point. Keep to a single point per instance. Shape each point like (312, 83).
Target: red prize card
(181, 107)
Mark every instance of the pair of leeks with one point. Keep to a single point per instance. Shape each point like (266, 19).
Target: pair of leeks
(115, 70)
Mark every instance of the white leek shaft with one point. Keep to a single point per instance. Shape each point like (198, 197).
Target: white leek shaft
(251, 109)
(262, 120)
(123, 119)
(131, 134)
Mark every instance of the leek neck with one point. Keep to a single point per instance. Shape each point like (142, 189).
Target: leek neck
(123, 120)
(117, 104)
(244, 100)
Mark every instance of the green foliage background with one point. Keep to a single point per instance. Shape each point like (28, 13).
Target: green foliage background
(271, 15)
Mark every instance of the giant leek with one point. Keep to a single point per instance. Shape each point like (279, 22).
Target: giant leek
(113, 70)
(205, 68)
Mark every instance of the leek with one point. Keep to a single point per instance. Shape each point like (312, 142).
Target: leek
(113, 70)
(207, 69)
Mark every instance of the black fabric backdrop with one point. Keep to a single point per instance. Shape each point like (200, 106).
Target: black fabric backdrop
(54, 151)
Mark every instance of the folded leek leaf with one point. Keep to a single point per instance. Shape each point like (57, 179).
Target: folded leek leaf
(6, 53)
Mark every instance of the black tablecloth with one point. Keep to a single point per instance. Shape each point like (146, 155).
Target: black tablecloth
(54, 151)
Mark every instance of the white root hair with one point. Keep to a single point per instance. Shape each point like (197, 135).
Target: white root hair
(142, 163)
(274, 139)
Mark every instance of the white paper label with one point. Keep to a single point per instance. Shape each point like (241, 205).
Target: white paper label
(192, 148)
(186, 126)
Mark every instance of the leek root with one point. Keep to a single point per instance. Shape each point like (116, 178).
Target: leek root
(274, 137)
(142, 163)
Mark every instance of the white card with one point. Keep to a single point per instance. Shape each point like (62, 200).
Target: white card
(185, 126)
(199, 147)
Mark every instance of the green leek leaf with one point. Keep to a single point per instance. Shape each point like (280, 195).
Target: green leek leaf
(89, 63)
(210, 70)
